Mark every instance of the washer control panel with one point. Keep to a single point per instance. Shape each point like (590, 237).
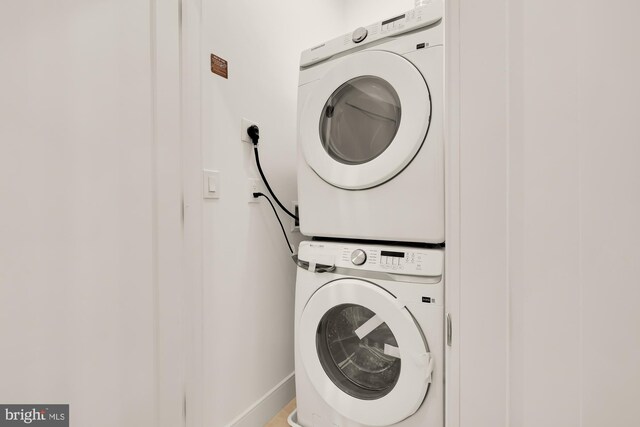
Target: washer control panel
(416, 18)
(401, 261)
(398, 260)
(359, 35)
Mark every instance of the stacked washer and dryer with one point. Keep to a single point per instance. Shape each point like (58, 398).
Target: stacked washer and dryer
(369, 332)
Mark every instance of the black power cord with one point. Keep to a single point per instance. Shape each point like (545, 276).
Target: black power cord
(256, 195)
(254, 133)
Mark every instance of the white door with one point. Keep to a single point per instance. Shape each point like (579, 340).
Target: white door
(365, 120)
(364, 352)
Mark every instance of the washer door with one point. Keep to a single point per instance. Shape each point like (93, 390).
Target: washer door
(364, 352)
(365, 120)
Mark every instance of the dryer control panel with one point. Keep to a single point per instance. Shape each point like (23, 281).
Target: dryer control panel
(411, 20)
(388, 259)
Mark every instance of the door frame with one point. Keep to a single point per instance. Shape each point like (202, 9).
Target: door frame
(452, 211)
(171, 279)
(191, 159)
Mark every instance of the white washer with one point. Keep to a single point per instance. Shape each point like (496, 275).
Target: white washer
(369, 336)
(370, 132)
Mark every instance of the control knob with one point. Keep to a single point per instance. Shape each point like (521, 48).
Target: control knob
(358, 257)
(359, 35)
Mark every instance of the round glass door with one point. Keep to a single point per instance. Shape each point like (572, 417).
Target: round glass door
(358, 351)
(360, 120)
(364, 353)
(364, 120)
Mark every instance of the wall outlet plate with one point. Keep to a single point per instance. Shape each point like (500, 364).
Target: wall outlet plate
(244, 125)
(254, 187)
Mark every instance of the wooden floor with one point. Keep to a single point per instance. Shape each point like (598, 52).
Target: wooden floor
(280, 420)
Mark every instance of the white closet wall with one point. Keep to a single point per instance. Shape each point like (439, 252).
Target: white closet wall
(575, 206)
(79, 242)
(549, 201)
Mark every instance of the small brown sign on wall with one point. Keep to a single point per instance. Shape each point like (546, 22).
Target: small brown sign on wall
(219, 66)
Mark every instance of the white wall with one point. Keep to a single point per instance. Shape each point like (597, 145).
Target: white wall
(483, 317)
(546, 246)
(609, 204)
(248, 276)
(549, 205)
(80, 243)
(576, 146)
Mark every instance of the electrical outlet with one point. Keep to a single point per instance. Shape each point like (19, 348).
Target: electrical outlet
(295, 223)
(244, 125)
(254, 187)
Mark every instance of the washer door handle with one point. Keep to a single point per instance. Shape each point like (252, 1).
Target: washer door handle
(430, 367)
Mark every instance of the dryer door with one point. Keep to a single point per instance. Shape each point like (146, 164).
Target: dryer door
(365, 120)
(364, 352)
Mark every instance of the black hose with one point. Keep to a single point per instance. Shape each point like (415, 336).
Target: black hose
(256, 195)
(266, 183)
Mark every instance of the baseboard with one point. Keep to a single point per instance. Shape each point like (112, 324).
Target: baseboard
(268, 405)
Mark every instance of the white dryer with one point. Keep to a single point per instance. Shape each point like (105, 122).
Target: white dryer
(369, 336)
(370, 132)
